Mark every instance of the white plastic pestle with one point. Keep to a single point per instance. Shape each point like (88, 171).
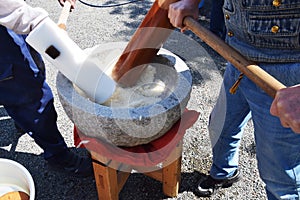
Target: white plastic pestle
(54, 44)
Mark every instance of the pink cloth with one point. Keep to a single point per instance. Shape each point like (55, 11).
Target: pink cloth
(149, 154)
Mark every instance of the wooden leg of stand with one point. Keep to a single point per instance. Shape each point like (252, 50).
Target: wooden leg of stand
(106, 182)
(172, 173)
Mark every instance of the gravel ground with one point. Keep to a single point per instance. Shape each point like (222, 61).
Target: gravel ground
(89, 26)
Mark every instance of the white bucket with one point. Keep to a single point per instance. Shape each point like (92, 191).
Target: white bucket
(15, 177)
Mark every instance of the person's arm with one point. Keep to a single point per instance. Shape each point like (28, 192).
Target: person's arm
(19, 16)
(62, 2)
(286, 106)
(181, 9)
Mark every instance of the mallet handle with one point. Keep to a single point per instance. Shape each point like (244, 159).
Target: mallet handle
(62, 21)
(260, 77)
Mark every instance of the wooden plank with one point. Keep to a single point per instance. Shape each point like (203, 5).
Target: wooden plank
(100, 158)
(175, 154)
(106, 182)
(171, 178)
(172, 171)
(105, 161)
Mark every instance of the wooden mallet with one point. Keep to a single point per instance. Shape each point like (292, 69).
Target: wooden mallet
(144, 45)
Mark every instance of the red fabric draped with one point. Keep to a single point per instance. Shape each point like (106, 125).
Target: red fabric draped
(149, 154)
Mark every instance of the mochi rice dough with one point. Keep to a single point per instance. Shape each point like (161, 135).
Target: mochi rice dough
(156, 82)
(146, 91)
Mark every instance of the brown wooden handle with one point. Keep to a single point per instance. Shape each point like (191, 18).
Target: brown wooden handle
(260, 77)
(62, 21)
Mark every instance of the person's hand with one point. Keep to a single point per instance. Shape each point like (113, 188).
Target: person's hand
(181, 9)
(286, 106)
(61, 2)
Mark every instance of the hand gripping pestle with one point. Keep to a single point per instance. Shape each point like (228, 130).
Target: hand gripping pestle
(54, 44)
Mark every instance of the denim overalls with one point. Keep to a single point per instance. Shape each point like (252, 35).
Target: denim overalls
(265, 31)
(24, 93)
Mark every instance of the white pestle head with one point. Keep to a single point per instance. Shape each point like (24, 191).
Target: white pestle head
(54, 44)
(95, 83)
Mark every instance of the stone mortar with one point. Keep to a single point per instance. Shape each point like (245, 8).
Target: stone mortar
(131, 126)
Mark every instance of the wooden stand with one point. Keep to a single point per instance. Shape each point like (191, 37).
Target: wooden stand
(160, 159)
(111, 176)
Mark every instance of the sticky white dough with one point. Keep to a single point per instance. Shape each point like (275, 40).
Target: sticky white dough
(146, 91)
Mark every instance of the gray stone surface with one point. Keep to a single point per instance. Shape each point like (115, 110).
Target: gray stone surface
(124, 126)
